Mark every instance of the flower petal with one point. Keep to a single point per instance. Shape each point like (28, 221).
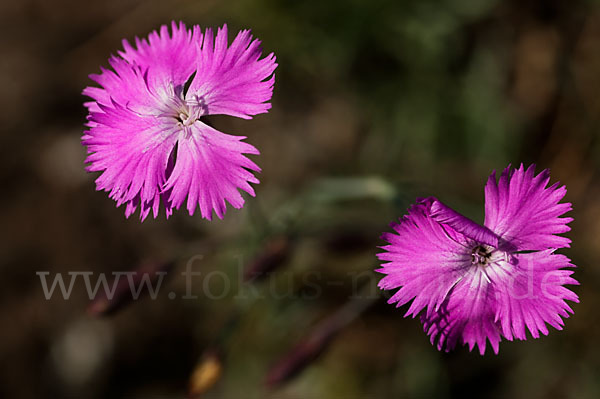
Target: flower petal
(443, 214)
(132, 152)
(209, 169)
(125, 85)
(232, 80)
(523, 211)
(425, 259)
(467, 315)
(169, 60)
(531, 293)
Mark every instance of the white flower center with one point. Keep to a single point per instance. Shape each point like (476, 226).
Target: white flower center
(186, 119)
(184, 110)
(189, 111)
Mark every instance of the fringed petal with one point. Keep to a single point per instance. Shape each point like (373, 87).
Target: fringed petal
(524, 211)
(210, 169)
(233, 80)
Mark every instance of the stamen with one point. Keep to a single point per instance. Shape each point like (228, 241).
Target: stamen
(185, 112)
(480, 256)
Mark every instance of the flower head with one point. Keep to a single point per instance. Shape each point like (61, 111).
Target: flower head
(473, 283)
(146, 133)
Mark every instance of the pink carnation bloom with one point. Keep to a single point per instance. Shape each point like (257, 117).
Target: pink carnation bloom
(146, 133)
(476, 283)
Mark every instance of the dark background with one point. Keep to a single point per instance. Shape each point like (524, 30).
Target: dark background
(376, 102)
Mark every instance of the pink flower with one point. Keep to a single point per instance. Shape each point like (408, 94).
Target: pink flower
(476, 283)
(146, 133)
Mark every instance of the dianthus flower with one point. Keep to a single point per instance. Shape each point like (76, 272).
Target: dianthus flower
(146, 131)
(476, 283)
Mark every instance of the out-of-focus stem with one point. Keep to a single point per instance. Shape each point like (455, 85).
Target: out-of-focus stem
(319, 338)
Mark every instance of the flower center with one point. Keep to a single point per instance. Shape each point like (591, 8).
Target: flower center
(184, 110)
(480, 256)
(190, 111)
(185, 118)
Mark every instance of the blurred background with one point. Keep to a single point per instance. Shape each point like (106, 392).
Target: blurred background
(375, 103)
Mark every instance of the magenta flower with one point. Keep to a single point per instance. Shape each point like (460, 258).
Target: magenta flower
(146, 133)
(478, 283)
